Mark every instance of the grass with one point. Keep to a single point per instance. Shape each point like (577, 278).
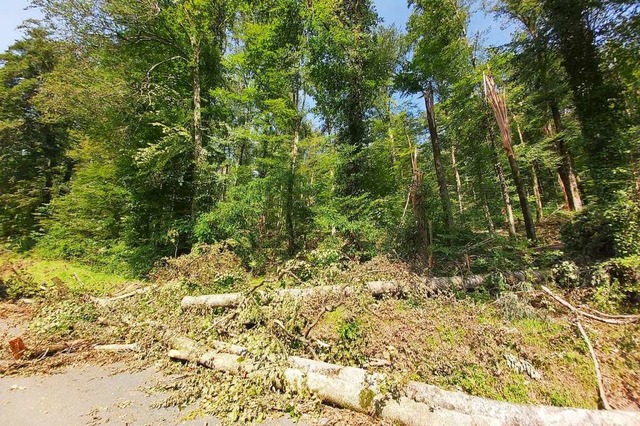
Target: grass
(77, 277)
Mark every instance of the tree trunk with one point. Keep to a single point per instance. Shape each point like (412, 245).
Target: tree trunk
(437, 156)
(291, 234)
(411, 404)
(197, 122)
(456, 172)
(537, 192)
(417, 204)
(565, 167)
(429, 285)
(504, 188)
(485, 206)
(499, 105)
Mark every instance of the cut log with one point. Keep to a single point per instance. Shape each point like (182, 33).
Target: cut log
(375, 288)
(417, 404)
(185, 349)
(232, 300)
(20, 350)
(513, 414)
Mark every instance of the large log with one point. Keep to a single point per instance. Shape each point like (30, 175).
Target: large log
(375, 288)
(185, 349)
(418, 404)
(509, 414)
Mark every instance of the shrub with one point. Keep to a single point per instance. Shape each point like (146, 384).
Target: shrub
(605, 231)
(618, 280)
(566, 274)
(207, 266)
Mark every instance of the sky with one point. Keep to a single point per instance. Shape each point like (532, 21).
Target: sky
(12, 13)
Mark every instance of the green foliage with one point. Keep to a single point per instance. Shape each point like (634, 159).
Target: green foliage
(566, 274)
(617, 283)
(612, 230)
(15, 284)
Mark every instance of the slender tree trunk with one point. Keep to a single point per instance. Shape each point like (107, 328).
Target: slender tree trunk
(291, 234)
(485, 206)
(437, 157)
(454, 165)
(537, 192)
(504, 188)
(197, 122)
(565, 168)
(498, 104)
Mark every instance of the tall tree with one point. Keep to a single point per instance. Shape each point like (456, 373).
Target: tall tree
(437, 31)
(345, 79)
(33, 149)
(597, 100)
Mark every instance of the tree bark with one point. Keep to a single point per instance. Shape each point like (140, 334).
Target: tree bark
(437, 156)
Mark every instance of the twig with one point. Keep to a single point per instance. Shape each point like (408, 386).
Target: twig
(573, 309)
(630, 318)
(603, 397)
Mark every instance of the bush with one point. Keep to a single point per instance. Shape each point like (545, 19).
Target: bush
(566, 274)
(605, 232)
(618, 280)
(207, 267)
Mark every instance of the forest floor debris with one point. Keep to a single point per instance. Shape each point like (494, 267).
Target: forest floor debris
(456, 340)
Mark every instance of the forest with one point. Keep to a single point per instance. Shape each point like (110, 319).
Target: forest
(200, 147)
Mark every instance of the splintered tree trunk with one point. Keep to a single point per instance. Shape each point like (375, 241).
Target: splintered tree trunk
(499, 105)
(437, 156)
(504, 188)
(565, 166)
(456, 172)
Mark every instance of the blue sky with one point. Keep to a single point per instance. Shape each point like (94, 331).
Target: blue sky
(12, 13)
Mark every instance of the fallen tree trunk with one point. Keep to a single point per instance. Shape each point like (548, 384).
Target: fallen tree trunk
(131, 347)
(185, 349)
(417, 404)
(20, 351)
(375, 288)
(509, 414)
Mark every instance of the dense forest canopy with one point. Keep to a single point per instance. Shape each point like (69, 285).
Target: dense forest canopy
(132, 131)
